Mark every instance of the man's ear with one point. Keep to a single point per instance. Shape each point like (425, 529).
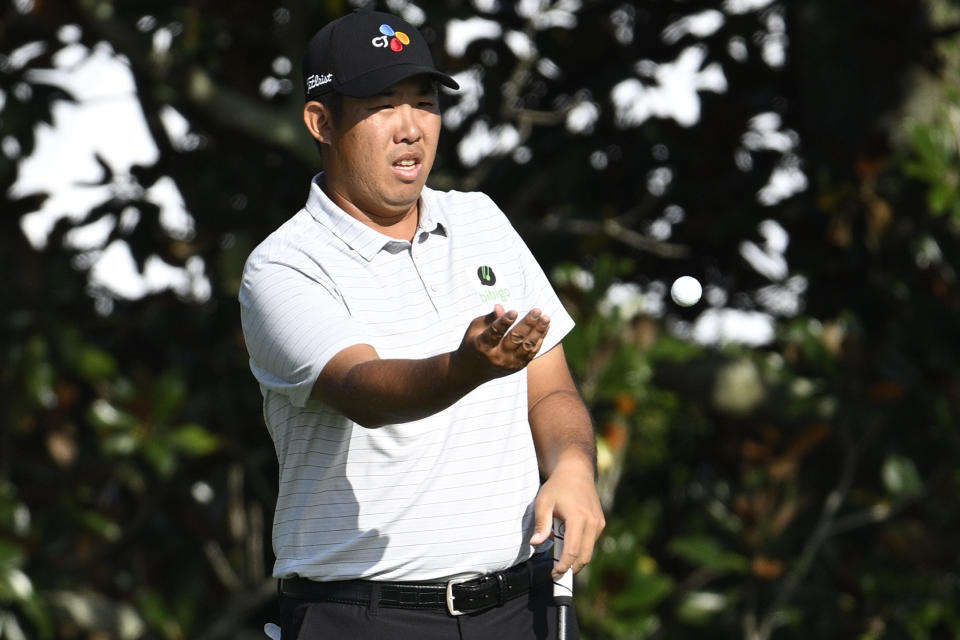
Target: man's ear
(319, 123)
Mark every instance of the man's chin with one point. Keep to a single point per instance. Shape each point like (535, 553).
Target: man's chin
(405, 195)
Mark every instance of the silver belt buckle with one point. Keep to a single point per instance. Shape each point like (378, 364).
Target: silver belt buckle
(453, 610)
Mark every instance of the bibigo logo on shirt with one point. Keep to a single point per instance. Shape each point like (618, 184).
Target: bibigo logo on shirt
(485, 278)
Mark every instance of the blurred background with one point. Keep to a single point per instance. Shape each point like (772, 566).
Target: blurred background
(779, 460)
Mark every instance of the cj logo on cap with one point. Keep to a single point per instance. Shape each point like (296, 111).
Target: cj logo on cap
(394, 40)
(486, 276)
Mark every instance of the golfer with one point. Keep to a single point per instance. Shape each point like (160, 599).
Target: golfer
(408, 349)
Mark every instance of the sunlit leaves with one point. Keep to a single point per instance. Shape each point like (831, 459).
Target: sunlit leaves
(900, 477)
(124, 434)
(194, 440)
(700, 606)
(17, 590)
(935, 163)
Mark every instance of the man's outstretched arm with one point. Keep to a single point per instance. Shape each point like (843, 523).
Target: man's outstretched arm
(566, 451)
(373, 391)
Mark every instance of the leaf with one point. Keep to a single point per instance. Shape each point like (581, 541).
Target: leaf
(941, 197)
(194, 440)
(119, 444)
(162, 456)
(168, 393)
(105, 416)
(900, 476)
(699, 607)
(39, 383)
(704, 551)
(93, 364)
(102, 525)
(14, 585)
(644, 593)
(11, 555)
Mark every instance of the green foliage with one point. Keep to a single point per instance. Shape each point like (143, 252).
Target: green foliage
(707, 553)
(901, 478)
(935, 163)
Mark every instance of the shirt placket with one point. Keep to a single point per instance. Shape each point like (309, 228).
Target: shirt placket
(420, 256)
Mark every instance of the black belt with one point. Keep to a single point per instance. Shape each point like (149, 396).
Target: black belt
(458, 596)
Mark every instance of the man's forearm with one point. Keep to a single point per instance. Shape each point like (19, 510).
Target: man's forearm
(563, 432)
(378, 392)
(566, 451)
(373, 391)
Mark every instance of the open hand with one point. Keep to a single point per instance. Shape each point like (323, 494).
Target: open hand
(490, 348)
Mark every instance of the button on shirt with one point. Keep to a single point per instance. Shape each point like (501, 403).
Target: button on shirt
(422, 500)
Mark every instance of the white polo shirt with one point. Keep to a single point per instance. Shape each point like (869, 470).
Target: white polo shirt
(422, 500)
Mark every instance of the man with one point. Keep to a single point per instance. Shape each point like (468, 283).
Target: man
(412, 406)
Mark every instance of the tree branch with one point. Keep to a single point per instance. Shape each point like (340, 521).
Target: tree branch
(831, 506)
(872, 515)
(614, 230)
(275, 126)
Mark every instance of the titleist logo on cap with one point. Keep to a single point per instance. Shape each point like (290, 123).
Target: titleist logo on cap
(315, 80)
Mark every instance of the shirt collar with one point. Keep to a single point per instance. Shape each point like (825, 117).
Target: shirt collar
(358, 236)
(432, 219)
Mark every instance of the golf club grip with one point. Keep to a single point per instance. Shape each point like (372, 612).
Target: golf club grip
(562, 586)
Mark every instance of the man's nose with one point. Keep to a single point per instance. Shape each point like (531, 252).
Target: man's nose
(408, 128)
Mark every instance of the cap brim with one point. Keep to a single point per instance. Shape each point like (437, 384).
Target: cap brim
(376, 81)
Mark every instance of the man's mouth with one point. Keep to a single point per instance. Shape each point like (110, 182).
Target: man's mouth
(407, 168)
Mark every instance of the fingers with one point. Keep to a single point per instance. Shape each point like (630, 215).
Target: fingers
(524, 340)
(578, 543)
(498, 326)
(543, 521)
(571, 554)
(527, 337)
(580, 535)
(490, 348)
(576, 551)
(581, 530)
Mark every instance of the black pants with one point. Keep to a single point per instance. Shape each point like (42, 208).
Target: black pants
(528, 617)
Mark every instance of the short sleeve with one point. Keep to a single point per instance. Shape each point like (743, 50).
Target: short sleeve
(538, 292)
(293, 324)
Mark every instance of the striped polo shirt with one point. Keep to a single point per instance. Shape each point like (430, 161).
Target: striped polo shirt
(445, 495)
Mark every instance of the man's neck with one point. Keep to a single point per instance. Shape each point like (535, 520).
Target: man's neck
(402, 226)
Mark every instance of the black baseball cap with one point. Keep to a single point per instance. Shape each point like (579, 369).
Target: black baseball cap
(364, 52)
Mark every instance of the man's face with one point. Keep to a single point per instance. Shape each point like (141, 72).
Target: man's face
(383, 147)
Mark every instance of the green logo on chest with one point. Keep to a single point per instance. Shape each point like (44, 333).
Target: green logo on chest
(495, 295)
(486, 275)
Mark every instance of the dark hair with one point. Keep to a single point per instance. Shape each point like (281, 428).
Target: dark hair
(333, 102)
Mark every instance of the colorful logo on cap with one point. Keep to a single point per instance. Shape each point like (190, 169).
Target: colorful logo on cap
(394, 40)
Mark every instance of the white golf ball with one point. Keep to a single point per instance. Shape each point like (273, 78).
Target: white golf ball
(686, 291)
